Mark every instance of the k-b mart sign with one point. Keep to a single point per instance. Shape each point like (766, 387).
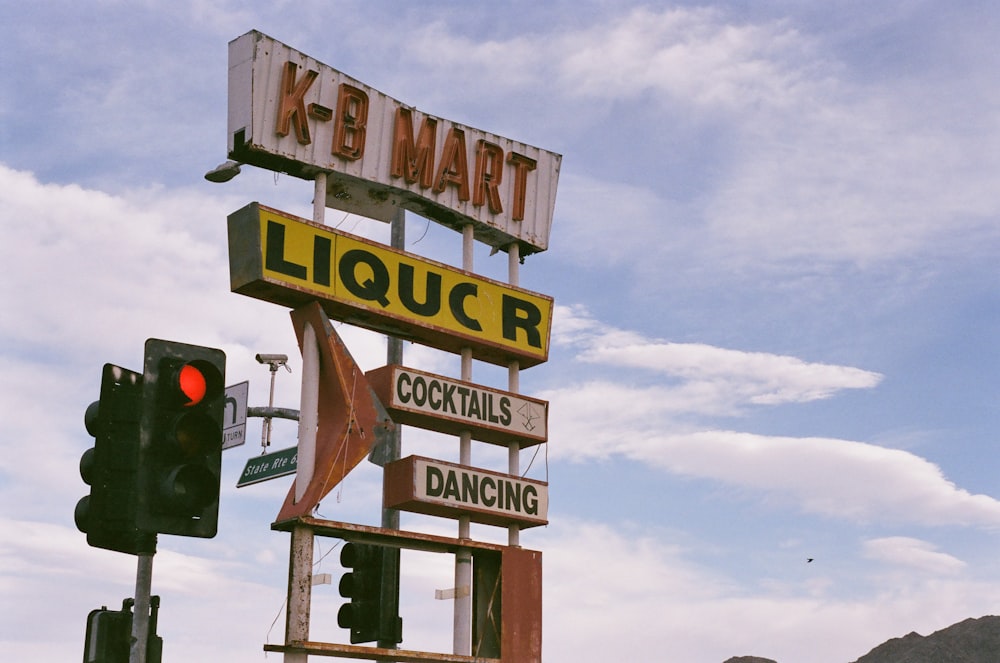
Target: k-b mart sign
(291, 113)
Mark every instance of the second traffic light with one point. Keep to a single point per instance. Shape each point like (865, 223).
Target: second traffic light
(107, 514)
(180, 440)
(109, 634)
(371, 615)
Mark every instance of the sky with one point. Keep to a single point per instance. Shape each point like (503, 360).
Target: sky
(773, 261)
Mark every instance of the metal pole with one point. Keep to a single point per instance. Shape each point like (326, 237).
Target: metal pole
(463, 558)
(514, 386)
(140, 610)
(300, 562)
(301, 545)
(394, 355)
(265, 441)
(319, 198)
(390, 517)
(309, 401)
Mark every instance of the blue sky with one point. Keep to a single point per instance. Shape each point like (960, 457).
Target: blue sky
(774, 264)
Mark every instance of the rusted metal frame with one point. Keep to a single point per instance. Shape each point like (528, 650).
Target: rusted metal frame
(373, 653)
(385, 537)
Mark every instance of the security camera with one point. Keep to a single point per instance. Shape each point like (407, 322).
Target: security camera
(272, 359)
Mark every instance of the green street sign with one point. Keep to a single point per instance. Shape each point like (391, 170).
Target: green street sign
(269, 466)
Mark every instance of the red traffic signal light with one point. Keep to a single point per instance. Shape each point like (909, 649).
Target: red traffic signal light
(181, 439)
(192, 383)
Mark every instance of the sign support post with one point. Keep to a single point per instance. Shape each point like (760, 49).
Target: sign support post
(513, 385)
(301, 544)
(463, 558)
(394, 355)
(300, 564)
(390, 517)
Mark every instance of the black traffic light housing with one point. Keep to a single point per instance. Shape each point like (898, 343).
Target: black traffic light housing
(180, 439)
(107, 514)
(109, 634)
(371, 616)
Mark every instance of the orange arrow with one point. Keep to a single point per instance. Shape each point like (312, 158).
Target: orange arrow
(351, 418)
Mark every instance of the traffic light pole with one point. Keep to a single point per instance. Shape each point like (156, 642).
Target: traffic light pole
(140, 610)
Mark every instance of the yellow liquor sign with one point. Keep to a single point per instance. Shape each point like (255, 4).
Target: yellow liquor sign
(290, 261)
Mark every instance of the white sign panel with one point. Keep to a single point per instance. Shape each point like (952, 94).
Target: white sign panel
(441, 404)
(433, 487)
(235, 415)
(291, 113)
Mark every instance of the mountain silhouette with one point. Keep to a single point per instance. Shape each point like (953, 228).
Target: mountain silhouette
(968, 641)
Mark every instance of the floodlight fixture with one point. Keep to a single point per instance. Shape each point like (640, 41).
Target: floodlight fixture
(223, 172)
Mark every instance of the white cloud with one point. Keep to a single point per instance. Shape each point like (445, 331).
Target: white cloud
(691, 57)
(830, 477)
(912, 554)
(822, 167)
(837, 478)
(713, 380)
(671, 424)
(92, 262)
(685, 56)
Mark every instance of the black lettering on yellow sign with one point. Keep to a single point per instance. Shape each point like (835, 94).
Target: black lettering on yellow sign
(289, 261)
(366, 276)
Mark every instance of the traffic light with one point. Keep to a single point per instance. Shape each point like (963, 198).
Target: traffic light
(180, 439)
(107, 514)
(109, 634)
(369, 616)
